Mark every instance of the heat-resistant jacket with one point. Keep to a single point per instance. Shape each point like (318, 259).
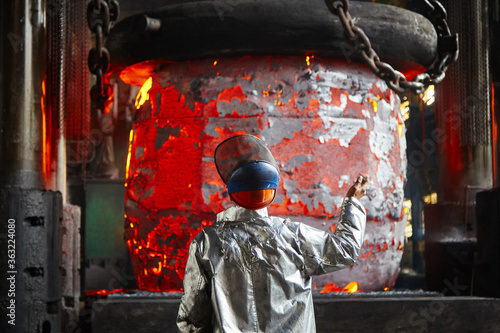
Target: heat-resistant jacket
(250, 272)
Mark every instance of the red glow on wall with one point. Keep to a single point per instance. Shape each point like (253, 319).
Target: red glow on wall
(45, 145)
(452, 145)
(48, 137)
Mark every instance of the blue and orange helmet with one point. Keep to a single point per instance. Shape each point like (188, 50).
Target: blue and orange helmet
(249, 171)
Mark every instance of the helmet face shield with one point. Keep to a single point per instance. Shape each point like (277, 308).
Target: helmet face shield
(238, 151)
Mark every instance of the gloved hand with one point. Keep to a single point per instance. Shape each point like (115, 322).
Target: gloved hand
(358, 190)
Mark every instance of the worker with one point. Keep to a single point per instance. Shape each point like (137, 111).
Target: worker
(251, 272)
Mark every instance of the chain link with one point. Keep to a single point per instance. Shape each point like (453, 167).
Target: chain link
(101, 15)
(447, 48)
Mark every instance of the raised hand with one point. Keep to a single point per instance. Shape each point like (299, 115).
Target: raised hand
(358, 190)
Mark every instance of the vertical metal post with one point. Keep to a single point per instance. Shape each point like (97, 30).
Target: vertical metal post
(61, 80)
(463, 106)
(30, 217)
(494, 11)
(24, 62)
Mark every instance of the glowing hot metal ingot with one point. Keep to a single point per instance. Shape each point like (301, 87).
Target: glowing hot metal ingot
(325, 121)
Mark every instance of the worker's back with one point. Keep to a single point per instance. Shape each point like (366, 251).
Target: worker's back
(253, 272)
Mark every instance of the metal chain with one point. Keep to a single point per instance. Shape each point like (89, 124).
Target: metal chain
(447, 48)
(101, 15)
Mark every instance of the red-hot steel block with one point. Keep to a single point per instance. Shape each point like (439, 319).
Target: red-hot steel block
(326, 121)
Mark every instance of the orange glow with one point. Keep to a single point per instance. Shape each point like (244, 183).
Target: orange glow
(386, 288)
(352, 287)
(330, 288)
(44, 131)
(428, 96)
(374, 104)
(215, 63)
(143, 94)
(400, 130)
(157, 270)
(47, 134)
(127, 168)
(308, 62)
(104, 292)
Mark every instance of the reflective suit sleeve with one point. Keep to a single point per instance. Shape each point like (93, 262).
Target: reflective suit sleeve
(324, 252)
(195, 310)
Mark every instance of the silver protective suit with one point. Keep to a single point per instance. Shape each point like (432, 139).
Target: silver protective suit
(250, 272)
